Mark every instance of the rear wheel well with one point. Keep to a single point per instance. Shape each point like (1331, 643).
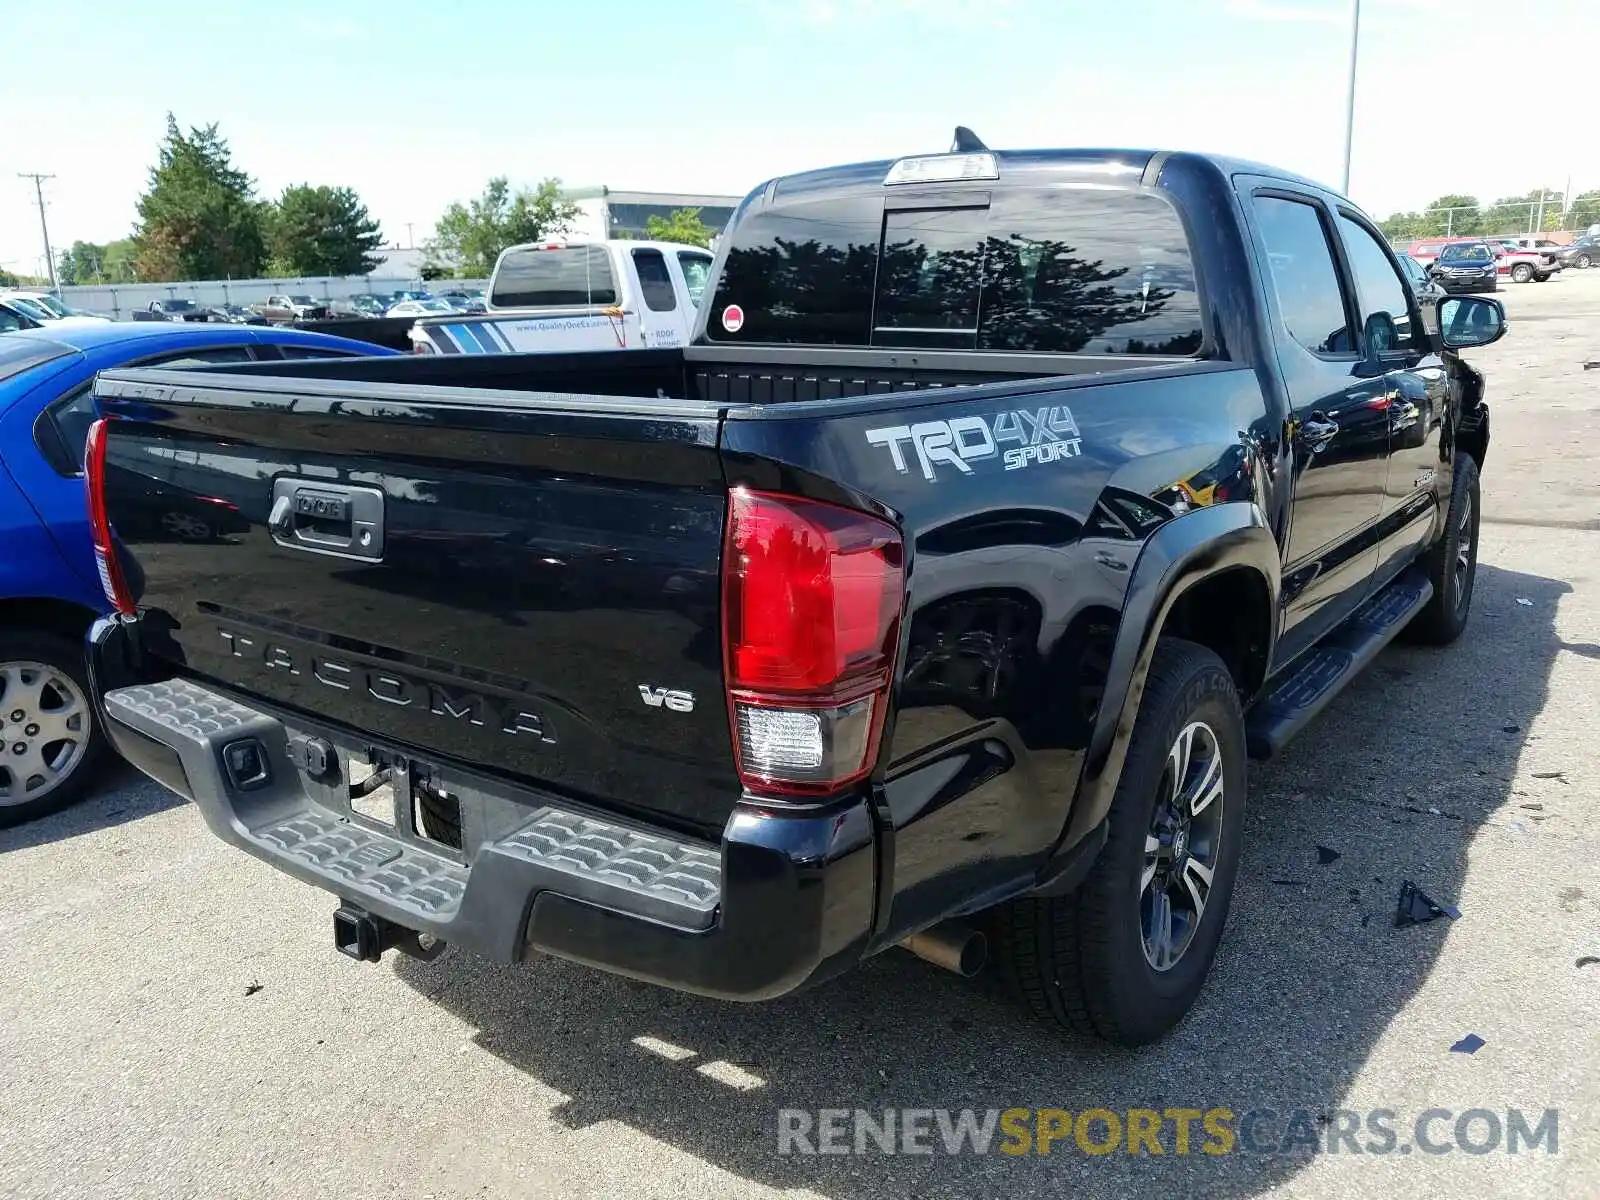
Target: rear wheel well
(57, 616)
(1229, 613)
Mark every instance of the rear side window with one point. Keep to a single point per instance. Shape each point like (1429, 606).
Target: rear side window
(563, 277)
(1310, 299)
(655, 283)
(1052, 271)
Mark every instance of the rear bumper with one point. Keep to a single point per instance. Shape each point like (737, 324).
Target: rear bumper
(783, 901)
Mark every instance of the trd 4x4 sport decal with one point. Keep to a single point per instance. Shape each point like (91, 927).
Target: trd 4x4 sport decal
(1021, 438)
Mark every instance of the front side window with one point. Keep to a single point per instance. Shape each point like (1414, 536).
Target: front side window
(655, 282)
(1310, 300)
(1385, 308)
(696, 270)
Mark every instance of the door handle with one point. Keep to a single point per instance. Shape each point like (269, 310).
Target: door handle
(1317, 431)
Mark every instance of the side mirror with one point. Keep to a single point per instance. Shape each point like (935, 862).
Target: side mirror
(1470, 321)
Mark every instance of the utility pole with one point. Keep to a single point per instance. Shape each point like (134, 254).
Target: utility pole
(411, 242)
(44, 226)
(1350, 98)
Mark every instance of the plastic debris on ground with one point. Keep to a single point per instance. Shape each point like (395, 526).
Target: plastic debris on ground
(1325, 855)
(1470, 1044)
(1417, 908)
(1525, 602)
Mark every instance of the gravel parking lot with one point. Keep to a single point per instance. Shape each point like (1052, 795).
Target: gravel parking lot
(174, 1021)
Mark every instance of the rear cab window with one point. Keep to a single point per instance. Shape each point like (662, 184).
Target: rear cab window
(553, 277)
(1060, 269)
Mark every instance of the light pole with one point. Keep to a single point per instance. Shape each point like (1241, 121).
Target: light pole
(1350, 97)
(44, 225)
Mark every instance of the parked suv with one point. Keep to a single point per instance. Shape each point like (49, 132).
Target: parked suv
(1466, 267)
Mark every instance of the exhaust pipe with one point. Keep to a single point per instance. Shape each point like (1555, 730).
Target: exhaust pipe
(953, 946)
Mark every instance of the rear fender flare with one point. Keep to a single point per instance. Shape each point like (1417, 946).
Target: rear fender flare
(1180, 554)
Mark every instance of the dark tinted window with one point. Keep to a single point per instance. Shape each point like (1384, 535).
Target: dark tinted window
(1102, 272)
(654, 281)
(1309, 296)
(802, 273)
(1385, 307)
(930, 278)
(316, 352)
(1050, 271)
(566, 276)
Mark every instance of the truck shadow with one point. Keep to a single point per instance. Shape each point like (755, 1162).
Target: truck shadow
(1396, 780)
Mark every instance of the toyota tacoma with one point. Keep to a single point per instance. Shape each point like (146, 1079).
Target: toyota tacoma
(1001, 506)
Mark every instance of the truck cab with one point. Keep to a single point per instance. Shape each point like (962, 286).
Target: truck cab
(579, 295)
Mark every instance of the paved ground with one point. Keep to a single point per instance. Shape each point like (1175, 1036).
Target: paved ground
(173, 1021)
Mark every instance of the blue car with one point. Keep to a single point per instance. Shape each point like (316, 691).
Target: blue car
(50, 743)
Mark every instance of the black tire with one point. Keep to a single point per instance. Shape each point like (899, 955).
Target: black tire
(65, 657)
(1081, 960)
(1521, 273)
(1445, 616)
(1583, 262)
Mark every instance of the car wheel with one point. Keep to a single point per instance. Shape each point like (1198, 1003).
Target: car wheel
(51, 745)
(1452, 564)
(1521, 273)
(186, 527)
(1582, 262)
(1126, 954)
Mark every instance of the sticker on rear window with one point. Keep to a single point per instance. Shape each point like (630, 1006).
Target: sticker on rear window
(733, 318)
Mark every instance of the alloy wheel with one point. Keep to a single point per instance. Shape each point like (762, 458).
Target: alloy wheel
(1183, 846)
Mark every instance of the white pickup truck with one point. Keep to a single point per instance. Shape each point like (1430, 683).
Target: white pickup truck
(591, 295)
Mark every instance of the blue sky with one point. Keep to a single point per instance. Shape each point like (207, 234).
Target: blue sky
(416, 104)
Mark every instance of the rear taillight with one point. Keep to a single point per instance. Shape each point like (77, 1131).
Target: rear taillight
(811, 601)
(112, 581)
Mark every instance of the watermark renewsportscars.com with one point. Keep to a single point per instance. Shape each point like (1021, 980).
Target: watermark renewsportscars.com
(1168, 1131)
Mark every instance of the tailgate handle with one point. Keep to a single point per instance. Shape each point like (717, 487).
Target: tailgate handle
(327, 518)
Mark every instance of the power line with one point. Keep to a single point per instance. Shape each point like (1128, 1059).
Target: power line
(44, 225)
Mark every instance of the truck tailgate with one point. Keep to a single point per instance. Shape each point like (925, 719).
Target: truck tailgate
(529, 588)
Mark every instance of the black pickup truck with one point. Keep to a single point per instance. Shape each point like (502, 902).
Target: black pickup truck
(935, 596)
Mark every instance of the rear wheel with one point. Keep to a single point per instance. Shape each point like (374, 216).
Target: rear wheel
(50, 743)
(1521, 273)
(1583, 262)
(1125, 955)
(1452, 564)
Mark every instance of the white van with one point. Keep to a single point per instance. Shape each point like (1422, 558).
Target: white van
(581, 295)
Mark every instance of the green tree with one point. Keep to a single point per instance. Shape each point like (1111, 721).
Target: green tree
(684, 225)
(199, 218)
(10, 280)
(469, 237)
(1516, 215)
(1465, 215)
(1404, 227)
(1585, 210)
(80, 263)
(321, 231)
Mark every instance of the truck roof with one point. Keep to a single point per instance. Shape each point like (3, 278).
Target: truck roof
(1036, 166)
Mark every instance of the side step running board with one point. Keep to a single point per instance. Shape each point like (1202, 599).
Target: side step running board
(1322, 673)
